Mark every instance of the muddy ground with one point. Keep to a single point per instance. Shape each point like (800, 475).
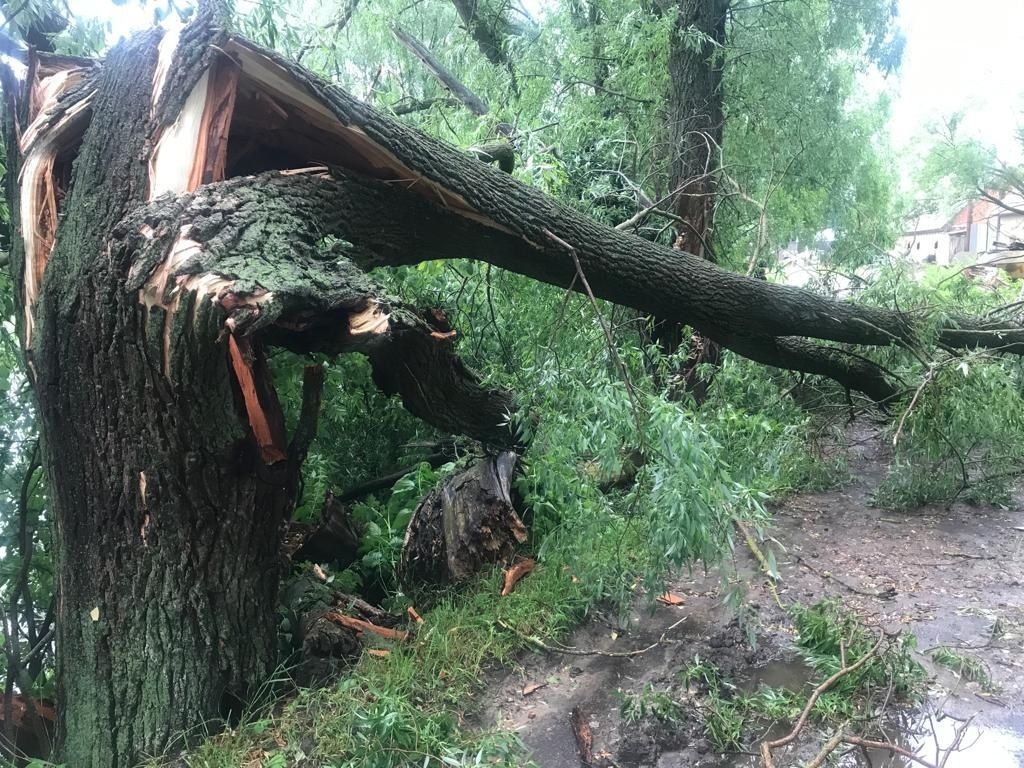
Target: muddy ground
(949, 575)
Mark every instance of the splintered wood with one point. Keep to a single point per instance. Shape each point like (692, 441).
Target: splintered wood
(54, 128)
(364, 626)
(193, 150)
(268, 435)
(515, 574)
(584, 738)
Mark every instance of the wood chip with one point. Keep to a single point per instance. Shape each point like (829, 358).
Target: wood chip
(533, 688)
(413, 615)
(364, 626)
(584, 737)
(515, 573)
(671, 598)
(380, 653)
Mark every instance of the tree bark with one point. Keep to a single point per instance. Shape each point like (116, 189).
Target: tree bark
(486, 35)
(149, 285)
(144, 324)
(695, 121)
(466, 522)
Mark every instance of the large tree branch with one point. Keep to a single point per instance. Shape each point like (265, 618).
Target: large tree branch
(392, 225)
(473, 103)
(497, 219)
(267, 252)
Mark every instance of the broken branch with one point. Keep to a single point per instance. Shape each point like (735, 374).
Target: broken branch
(768, 746)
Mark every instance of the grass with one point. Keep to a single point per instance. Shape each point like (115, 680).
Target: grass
(410, 708)
(826, 637)
(965, 666)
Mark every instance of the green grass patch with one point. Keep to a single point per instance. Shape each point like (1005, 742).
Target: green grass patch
(411, 708)
(965, 666)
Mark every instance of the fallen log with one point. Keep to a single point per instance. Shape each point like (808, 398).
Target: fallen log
(322, 628)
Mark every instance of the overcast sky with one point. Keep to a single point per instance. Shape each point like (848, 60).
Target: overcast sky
(961, 56)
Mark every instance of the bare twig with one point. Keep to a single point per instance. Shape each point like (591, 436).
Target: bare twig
(533, 639)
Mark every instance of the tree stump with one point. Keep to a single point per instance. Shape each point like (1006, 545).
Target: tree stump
(466, 522)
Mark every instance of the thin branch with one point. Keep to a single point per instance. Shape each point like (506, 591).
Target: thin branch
(473, 103)
(768, 746)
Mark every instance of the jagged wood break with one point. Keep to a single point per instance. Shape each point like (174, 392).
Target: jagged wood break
(194, 200)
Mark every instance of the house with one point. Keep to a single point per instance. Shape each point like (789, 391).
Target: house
(978, 232)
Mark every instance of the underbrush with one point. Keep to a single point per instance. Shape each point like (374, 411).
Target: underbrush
(696, 473)
(414, 705)
(828, 639)
(958, 430)
(961, 438)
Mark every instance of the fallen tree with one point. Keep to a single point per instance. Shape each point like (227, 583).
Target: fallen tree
(194, 200)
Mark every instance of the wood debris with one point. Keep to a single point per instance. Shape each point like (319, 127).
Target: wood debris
(515, 573)
(671, 598)
(364, 626)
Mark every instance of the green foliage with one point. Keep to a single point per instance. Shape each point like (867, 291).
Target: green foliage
(650, 702)
(407, 709)
(966, 666)
(384, 525)
(830, 637)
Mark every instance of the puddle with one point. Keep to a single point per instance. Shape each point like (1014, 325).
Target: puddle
(982, 746)
(789, 674)
(930, 738)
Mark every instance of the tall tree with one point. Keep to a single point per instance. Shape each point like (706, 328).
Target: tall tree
(193, 201)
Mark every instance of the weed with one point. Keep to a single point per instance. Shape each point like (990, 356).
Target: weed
(829, 637)
(965, 666)
(650, 702)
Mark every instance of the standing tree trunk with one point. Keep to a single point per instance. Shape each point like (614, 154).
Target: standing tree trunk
(144, 319)
(695, 120)
(167, 516)
(195, 200)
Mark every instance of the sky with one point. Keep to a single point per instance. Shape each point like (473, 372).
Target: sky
(961, 56)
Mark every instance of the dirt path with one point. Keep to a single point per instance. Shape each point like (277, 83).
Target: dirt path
(952, 576)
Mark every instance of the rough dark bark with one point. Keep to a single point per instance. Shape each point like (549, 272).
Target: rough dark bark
(695, 121)
(483, 31)
(695, 117)
(744, 327)
(466, 522)
(167, 531)
(492, 217)
(145, 323)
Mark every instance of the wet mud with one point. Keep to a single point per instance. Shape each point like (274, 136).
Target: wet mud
(952, 576)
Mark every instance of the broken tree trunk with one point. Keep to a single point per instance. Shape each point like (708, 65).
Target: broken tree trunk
(466, 522)
(465, 209)
(184, 206)
(146, 302)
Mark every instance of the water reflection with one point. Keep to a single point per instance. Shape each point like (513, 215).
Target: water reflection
(930, 738)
